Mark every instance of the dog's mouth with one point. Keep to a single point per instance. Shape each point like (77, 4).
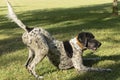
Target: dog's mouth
(93, 49)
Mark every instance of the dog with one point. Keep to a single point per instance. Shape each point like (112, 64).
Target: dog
(62, 54)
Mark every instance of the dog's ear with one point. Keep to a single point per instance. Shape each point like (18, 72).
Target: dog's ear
(83, 37)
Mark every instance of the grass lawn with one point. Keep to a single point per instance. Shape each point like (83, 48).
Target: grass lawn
(64, 19)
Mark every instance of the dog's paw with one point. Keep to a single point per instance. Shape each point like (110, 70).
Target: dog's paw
(25, 65)
(40, 78)
(108, 70)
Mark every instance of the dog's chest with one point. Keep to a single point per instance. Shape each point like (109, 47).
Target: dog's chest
(58, 55)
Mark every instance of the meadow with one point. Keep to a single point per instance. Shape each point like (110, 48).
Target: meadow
(64, 19)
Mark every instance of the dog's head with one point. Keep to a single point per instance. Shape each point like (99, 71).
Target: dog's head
(88, 40)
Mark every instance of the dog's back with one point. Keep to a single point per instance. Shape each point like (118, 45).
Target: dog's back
(33, 36)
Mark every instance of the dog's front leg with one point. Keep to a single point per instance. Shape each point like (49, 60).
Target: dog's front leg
(94, 59)
(78, 64)
(95, 69)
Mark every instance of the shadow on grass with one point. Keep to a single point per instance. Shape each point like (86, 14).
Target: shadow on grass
(93, 17)
(10, 45)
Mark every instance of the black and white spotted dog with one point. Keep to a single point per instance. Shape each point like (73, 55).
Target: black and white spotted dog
(62, 54)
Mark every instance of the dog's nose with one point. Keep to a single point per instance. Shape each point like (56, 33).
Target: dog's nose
(99, 44)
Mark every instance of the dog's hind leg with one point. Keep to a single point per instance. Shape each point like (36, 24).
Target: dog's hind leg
(39, 55)
(30, 57)
(40, 47)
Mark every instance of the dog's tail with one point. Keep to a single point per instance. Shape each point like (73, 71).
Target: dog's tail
(13, 17)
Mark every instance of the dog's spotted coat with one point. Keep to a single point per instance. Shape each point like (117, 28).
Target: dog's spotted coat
(42, 40)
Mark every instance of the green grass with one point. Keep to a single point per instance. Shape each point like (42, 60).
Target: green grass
(64, 20)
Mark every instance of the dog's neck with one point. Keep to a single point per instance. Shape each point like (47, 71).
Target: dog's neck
(78, 45)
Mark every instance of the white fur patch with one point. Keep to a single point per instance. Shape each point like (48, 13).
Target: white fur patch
(74, 43)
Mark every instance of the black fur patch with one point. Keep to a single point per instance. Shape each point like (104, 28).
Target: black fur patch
(68, 48)
(29, 29)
